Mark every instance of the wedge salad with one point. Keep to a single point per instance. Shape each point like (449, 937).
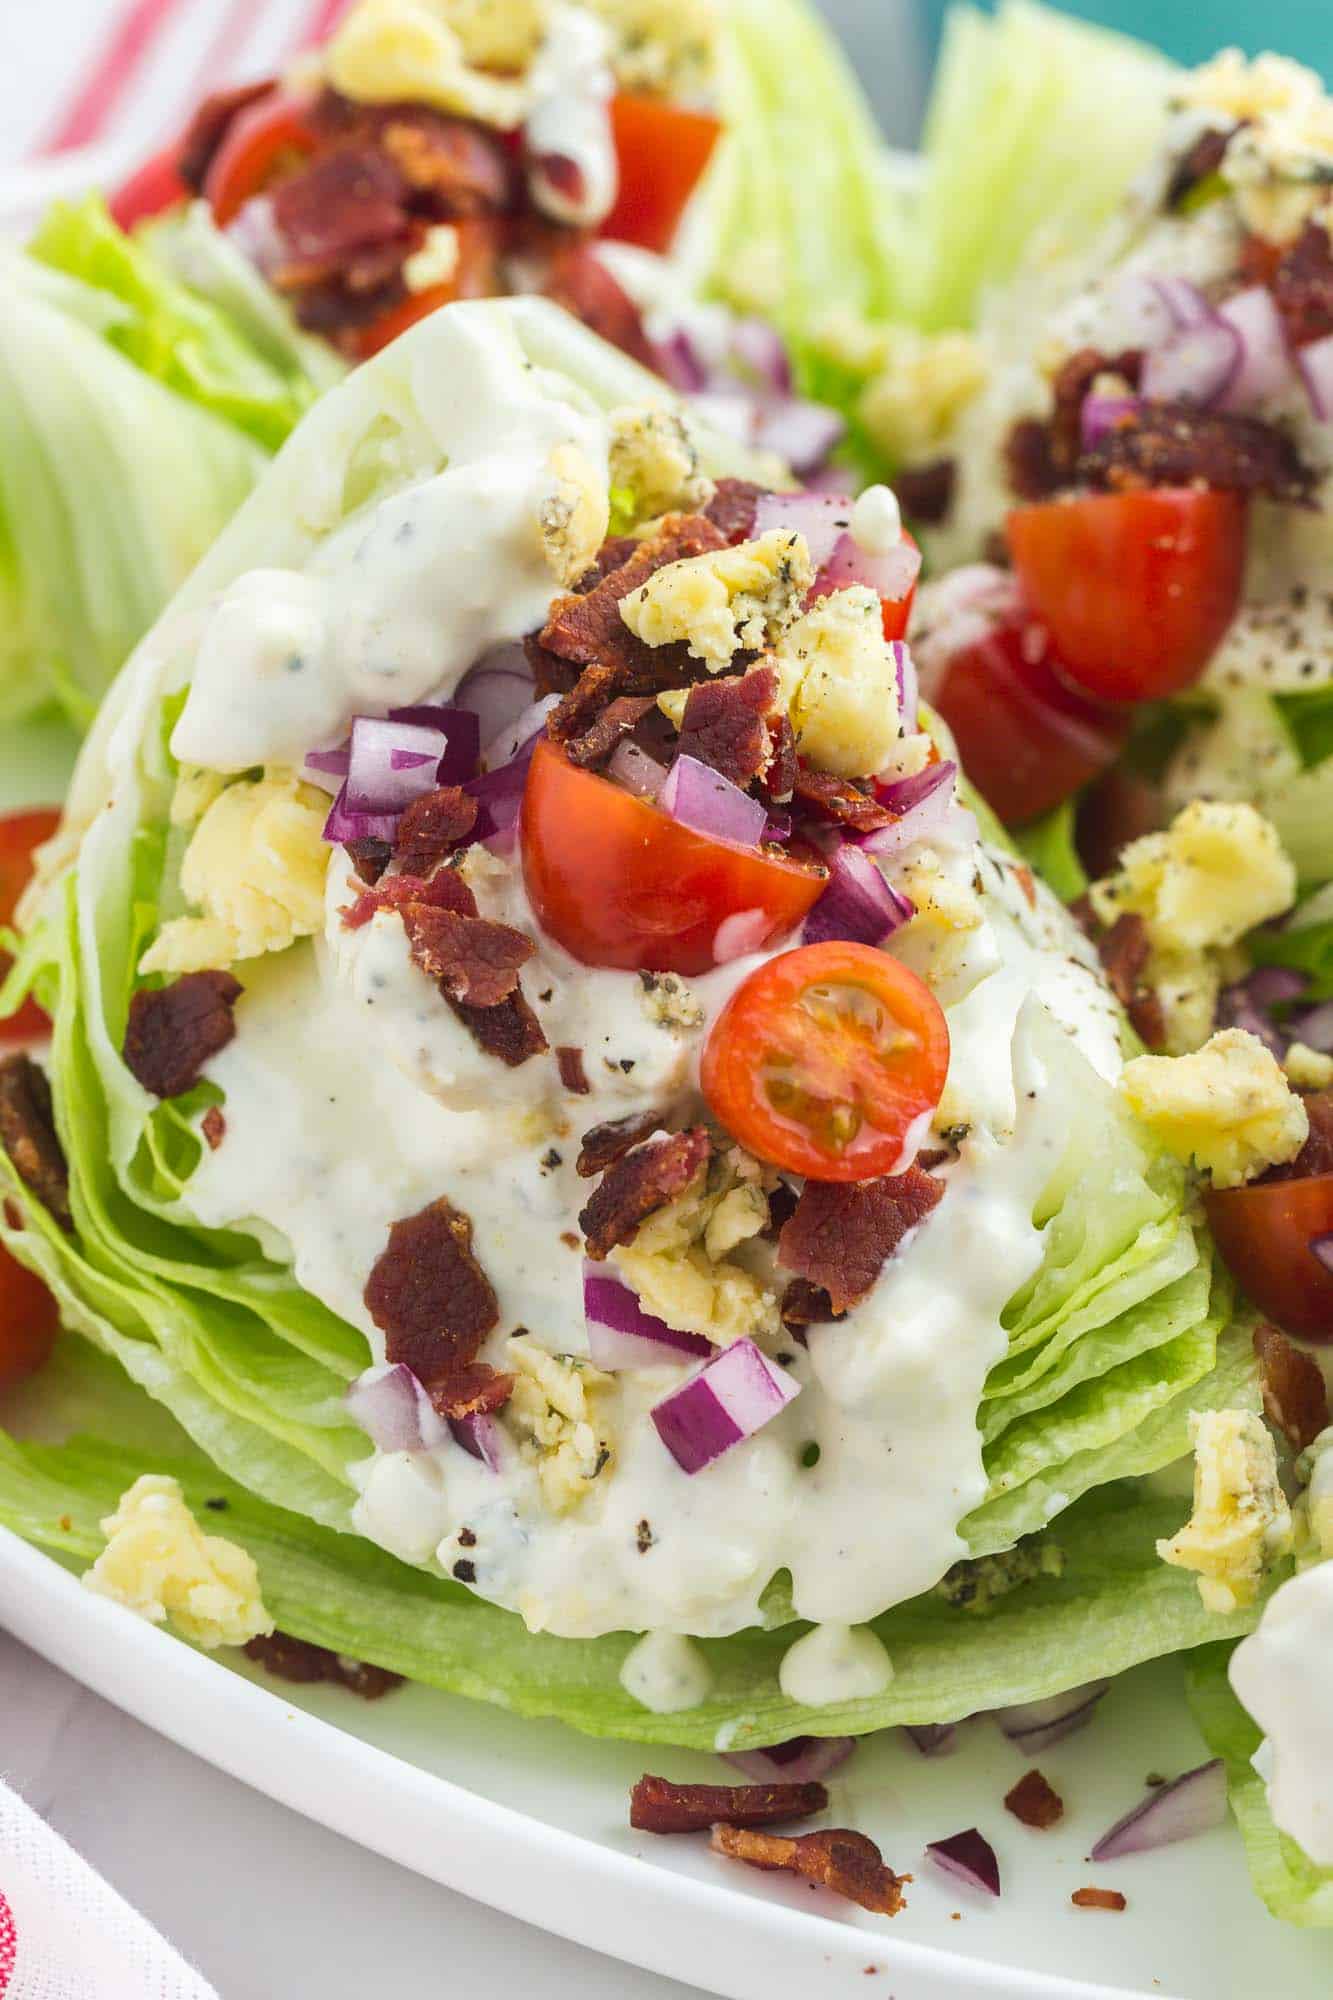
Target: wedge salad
(650, 1117)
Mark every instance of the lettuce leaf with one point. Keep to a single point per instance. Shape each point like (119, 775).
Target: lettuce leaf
(1284, 1876)
(1048, 843)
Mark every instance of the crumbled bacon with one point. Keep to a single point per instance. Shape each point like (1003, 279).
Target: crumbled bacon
(1199, 162)
(474, 1390)
(173, 1030)
(1119, 807)
(638, 1184)
(444, 890)
(656, 1805)
(1295, 1394)
(587, 628)
(428, 1294)
(1177, 444)
(1029, 462)
(213, 1125)
(779, 775)
(838, 799)
(579, 281)
(725, 723)
(1316, 1155)
(843, 1232)
(369, 859)
(1124, 951)
(460, 166)
(616, 721)
(848, 1863)
(1098, 1899)
(304, 1663)
(803, 1305)
(345, 200)
(510, 1032)
(615, 550)
(1303, 286)
(569, 1062)
(925, 492)
(604, 1144)
(471, 958)
(431, 828)
(733, 507)
(28, 1135)
(1033, 1801)
(209, 127)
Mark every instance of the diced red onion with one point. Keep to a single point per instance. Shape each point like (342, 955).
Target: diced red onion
(462, 733)
(741, 933)
(1321, 1248)
(497, 689)
(394, 1410)
(892, 574)
(801, 432)
(909, 691)
(516, 735)
(1138, 312)
(777, 828)
(1197, 365)
(732, 1396)
(1035, 1725)
(1184, 302)
(968, 1857)
(499, 793)
(479, 1437)
(1265, 365)
(1249, 1004)
(636, 770)
(802, 1761)
(326, 769)
(702, 798)
(1187, 1806)
(679, 361)
(858, 903)
(933, 1739)
(390, 764)
(1315, 1029)
(343, 824)
(1316, 365)
(900, 795)
(622, 1335)
(1101, 414)
(758, 347)
(959, 611)
(820, 517)
(927, 810)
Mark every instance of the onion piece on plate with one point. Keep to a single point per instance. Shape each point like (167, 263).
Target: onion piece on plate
(1189, 1805)
(968, 1857)
(803, 1759)
(1035, 1725)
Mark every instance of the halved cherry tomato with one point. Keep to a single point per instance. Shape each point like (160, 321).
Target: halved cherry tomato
(823, 1059)
(20, 833)
(898, 610)
(258, 141)
(1026, 740)
(476, 276)
(150, 189)
(618, 882)
(1264, 1232)
(661, 152)
(29, 1319)
(1136, 589)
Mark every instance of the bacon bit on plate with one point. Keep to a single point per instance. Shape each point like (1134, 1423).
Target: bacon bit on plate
(638, 1184)
(847, 1863)
(656, 1805)
(604, 1144)
(428, 1294)
(1295, 1394)
(173, 1030)
(1033, 1801)
(1098, 1899)
(213, 1125)
(304, 1663)
(843, 1233)
(569, 1061)
(28, 1134)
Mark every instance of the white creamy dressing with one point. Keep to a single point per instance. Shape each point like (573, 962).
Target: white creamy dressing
(666, 1673)
(402, 599)
(1282, 1675)
(571, 85)
(835, 1663)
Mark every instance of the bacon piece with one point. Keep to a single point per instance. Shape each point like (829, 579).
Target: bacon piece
(1199, 162)
(848, 1863)
(779, 778)
(724, 724)
(1071, 389)
(460, 166)
(1118, 808)
(733, 507)
(1033, 1801)
(510, 1032)
(344, 201)
(173, 1030)
(474, 1390)
(615, 550)
(28, 1135)
(615, 722)
(638, 1184)
(431, 828)
(1316, 1155)
(304, 1663)
(1098, 1899)
(925, 492)
(844, 1232)
(1177, 444)
(804, 1304)
(1303, 286)
(428, 1294)
(1295, 1395)
(604, 1144)
(209, 127)
(569, 1062)
(579, 281)
(588, 628)
(444, 890)
(471, 958)
(1124, 952)
(838, 799)
(656, 1805)
(1029, 460)
(213, 1125)
(369, 858)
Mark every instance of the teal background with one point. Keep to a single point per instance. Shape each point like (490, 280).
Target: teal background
(1190, 32)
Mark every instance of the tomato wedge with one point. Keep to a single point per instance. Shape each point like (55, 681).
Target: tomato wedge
(1264, 1232)
(823, 1059)
(661, 152)
(1026, 740)
(475, 277)
(618, 882)
(1136, 589)
(150, 189)
(258, 141)
(20, 833)
(29, 1321)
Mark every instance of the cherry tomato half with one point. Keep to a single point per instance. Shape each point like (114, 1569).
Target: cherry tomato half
(661, 152)
(29, 1320)
(1136, 589)
(1264, 1232)
(150, 189)
(258, 141)
(1026, 740)
(822, 1060)
(618, 882)
(476, 276)
(20, 833)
